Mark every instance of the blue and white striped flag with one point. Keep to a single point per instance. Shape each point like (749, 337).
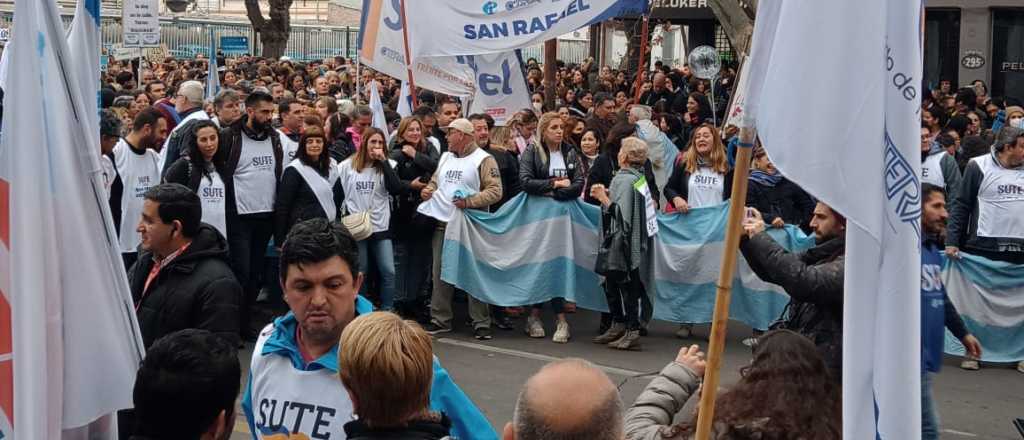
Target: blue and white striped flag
(69, 342)
(862, 135)
(212, 77)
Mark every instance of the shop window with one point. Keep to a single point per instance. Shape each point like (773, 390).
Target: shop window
(1008, 53)
(941, 46)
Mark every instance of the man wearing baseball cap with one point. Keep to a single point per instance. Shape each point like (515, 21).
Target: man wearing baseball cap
(466, 177)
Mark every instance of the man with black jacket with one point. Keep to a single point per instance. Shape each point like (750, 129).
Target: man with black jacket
(813, 279)
(182, 278)
(254, 167)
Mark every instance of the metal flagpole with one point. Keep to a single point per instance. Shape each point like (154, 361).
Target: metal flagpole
(408, 60)
(359, 77)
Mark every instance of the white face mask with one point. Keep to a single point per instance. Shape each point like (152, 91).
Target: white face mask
(537, 106)
(1017, 122)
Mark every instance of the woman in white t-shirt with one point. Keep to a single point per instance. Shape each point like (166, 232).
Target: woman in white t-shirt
(553, 169)
(200, 169)
(369, 180)
(701, 177)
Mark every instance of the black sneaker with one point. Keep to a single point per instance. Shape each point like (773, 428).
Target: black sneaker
(504, 323)
(434, 328)
(483, 334)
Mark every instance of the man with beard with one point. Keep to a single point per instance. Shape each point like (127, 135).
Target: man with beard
(813, 279)
(136, 170)
(186, 388)
(293, 389)
(254, 166)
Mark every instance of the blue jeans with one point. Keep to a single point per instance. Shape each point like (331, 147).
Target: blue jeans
(384, 258)
(929, 417)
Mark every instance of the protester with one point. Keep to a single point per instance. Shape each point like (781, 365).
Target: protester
(136, 168)
(291, 114)
(526, 131)
(466, 178)
(310, 186)
(255, 162)
(182, 278)
(202, 171)
(388, 369)
(227, 106)
(341, 146)
(937, 311)
(543, 412)
(369, 180)
(813, 279)
(603, 118)
(186, 387)
(778, 199)
(785, 392)
(296, 357)
(628, 245)
(188, 103)
(660, 150)
(590, 149)
(110, 136)
(938, 167)
(415, 161)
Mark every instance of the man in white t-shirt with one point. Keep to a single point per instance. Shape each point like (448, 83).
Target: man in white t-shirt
(291, 113)
(254, 166)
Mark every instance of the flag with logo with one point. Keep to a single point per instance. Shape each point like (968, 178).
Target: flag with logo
(501, 87)
(69, 343)
(862, 135)
(474, 27)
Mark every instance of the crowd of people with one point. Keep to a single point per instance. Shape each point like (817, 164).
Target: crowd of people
(279, 189)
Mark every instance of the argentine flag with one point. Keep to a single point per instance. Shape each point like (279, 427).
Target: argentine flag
(858, 152)
(69, 342)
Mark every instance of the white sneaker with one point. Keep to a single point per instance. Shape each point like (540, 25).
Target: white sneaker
(534, 328)
(562, 333)
(685, 331)
(970, 364)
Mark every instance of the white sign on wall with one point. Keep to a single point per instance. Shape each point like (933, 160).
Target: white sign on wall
(141, 22)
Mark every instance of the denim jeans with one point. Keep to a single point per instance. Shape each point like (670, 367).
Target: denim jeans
(929, 417)
(413, 268)
(384, 258)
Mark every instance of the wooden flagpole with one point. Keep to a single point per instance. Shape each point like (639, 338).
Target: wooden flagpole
(733, 233)
(640, 68)
(408, 60)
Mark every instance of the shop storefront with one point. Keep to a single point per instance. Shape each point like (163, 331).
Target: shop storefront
(967, 40)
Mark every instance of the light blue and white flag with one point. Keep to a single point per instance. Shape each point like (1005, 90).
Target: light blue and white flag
(69, 342)
(989, 296)
(84, 43)
(404, 101)
(212, 76)
(535, 249)
(379, 121)
(872, 147)
(473, 27)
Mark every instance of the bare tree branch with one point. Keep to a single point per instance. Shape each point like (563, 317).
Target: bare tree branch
(737, 20)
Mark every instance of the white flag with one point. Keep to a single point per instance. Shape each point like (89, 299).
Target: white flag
(379, 121)
(84, 45)
(405, 101)
(382, 48)
(501, 91)
(66, 310)
(863, 134)
(472, 27)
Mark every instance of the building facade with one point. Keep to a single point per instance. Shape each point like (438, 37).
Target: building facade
(967, 40)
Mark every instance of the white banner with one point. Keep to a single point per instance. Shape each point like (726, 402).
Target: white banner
(141, 23)
(502, 89)
(472, 27)
(383, 49)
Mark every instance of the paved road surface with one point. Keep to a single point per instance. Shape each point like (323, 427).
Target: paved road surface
(972, 405)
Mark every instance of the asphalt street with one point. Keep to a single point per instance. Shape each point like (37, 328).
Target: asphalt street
(971, 404)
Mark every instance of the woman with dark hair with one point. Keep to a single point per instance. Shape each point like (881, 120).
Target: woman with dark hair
(698, 111)
(415, 162)
(297, 83)
(326, 107)
(672, 126)
(584, 101)
(933, 119)
(569, 99)
(310, 186)
(786, 392)
(201, 169)
(590, 148)
(369, 181)
(551, 168)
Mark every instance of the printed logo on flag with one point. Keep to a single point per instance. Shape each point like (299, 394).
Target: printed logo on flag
(489, 7)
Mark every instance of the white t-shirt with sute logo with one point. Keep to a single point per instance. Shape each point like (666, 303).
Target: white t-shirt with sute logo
(139, 173)
(1000, 200)
(255, 181)
(706, 188)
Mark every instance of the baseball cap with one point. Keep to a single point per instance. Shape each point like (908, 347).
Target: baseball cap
(193, 90)
(461, 124)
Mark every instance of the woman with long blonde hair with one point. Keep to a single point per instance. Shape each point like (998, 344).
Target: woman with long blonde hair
(702, 177)
(369, 181)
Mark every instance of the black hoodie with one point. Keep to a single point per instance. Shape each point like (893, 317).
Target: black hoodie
(195, 290)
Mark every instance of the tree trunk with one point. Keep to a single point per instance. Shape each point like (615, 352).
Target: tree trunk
(550, 68)
(273, 32)
(737, 20)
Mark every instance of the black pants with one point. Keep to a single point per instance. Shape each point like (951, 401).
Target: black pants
(248, 236)
(557, 305)
(624, 296)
